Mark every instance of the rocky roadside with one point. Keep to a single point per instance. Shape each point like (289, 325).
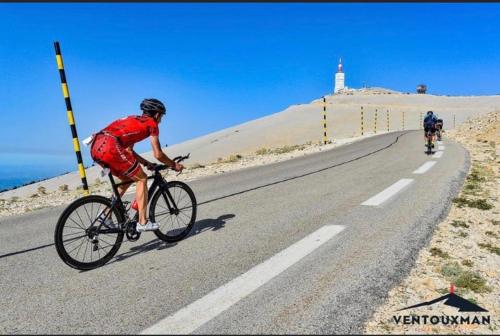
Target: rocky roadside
(43, 199)
(464, 249)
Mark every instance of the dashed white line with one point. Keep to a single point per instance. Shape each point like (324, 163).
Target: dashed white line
(438, 154)
(203, 310)
(425, 167)
(441, 147)
(389, 192)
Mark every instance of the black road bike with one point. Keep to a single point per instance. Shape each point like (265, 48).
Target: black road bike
(438, 133)
(90, 230)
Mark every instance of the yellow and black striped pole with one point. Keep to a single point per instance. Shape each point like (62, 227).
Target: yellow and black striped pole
(325, 139)
(403, 122)
(375, 124)
(362, 122)
(71, 118)
(387, 117)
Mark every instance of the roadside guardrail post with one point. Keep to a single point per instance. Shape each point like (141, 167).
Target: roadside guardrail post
(362, 122)
(325, 138)
(403, 122)
(375, 124)
(71, 118)
(388, 125)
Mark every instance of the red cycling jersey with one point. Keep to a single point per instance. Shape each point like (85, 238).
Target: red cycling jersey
(110, 146)
(132, 129)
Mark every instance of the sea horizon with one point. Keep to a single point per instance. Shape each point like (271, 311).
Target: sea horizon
(17, 170)
(18, 176)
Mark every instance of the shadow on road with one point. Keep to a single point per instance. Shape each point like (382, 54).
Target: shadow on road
(210, 224)
(157, 244)
(25, 251)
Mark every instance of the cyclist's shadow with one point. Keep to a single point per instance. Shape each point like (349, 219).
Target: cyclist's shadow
(210, 224)
(157, 244)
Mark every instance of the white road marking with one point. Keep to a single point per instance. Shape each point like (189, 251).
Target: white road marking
(425, 167)
(387, 193)
(438, 154)
(440, 147)
(439, 142)
(203, 310)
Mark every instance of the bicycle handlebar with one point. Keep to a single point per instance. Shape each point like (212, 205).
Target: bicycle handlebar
(177, 159)
(181, 158)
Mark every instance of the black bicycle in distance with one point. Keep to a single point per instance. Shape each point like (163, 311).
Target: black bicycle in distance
(86, 238)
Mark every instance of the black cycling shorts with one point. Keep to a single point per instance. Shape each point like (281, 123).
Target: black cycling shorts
(431, 129)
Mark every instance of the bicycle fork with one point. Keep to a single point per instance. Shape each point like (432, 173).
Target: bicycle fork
(169, 200)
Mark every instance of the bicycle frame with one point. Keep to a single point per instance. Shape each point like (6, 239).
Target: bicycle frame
(116, 200)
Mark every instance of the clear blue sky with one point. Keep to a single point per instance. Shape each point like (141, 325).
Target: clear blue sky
(217, 65)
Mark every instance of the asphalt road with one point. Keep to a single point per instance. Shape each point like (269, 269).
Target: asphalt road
(245, 219)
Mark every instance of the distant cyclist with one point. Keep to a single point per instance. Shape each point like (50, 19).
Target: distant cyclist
(439, 128)
(430, 121)
(113, 148)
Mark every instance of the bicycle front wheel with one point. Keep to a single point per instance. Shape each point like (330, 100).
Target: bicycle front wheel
(174, 209)
(78, 241)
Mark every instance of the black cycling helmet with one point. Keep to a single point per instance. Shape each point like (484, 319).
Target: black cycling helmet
(151, 106)
(430, 112)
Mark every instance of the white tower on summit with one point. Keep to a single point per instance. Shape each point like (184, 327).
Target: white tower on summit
(339, 78)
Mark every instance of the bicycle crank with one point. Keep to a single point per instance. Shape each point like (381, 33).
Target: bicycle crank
(131, 232)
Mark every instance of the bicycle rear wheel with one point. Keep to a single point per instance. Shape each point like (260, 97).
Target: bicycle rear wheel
(78, 242)
(174, 208)
(429, 144)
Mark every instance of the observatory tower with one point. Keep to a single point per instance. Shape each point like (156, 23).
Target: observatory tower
(339, 78)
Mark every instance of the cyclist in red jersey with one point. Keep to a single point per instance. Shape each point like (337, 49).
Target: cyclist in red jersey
(113, 148)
